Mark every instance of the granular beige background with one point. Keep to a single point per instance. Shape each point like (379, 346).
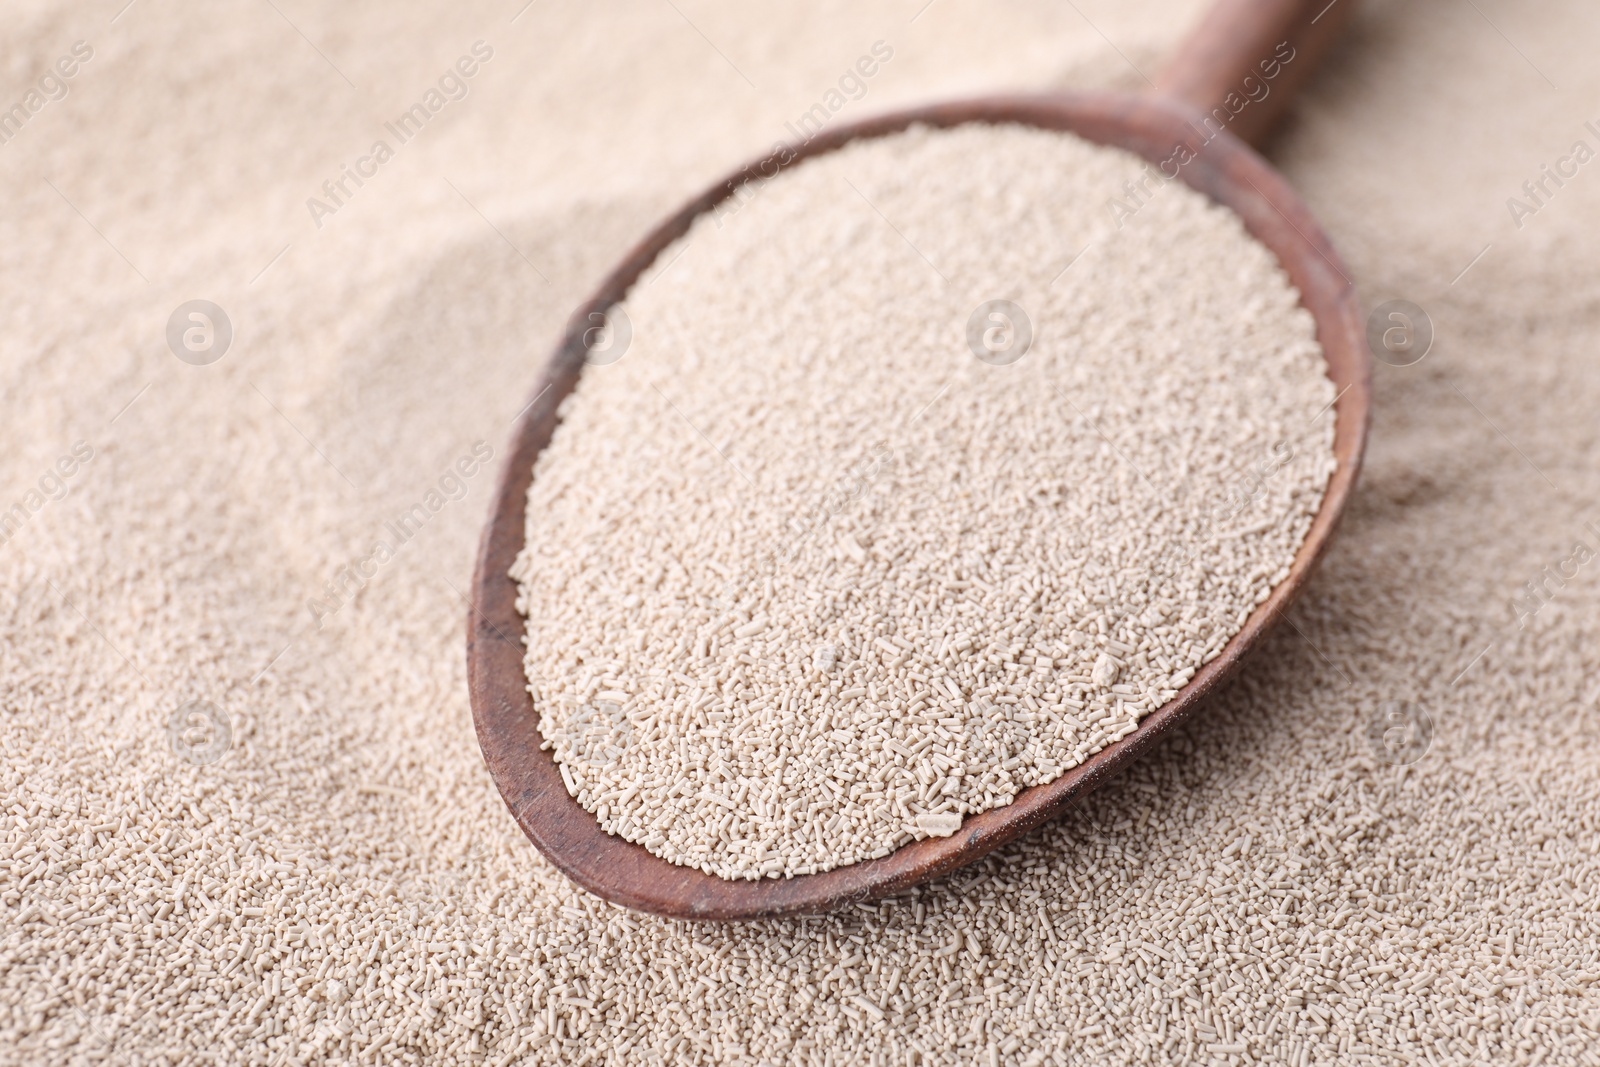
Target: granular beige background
(1263, 889)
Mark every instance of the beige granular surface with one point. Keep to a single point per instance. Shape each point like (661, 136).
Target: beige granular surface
(901, 582)
(1262, 882)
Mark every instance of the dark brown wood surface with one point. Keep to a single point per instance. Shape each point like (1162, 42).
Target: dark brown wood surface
(1224, 169)
(1244, 61)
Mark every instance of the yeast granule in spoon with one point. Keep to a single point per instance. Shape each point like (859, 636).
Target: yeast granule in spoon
(926, 475)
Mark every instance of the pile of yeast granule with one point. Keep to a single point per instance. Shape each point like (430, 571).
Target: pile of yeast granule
(807, 579)
(346, 886)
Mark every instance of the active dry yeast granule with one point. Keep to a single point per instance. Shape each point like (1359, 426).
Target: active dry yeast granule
(346, 885)
(828, 561)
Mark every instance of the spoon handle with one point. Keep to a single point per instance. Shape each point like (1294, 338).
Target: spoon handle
(1244, 61)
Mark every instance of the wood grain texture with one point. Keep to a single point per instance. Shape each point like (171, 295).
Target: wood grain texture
(1224, 169)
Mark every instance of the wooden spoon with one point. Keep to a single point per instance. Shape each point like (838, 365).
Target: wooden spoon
(1233, 74)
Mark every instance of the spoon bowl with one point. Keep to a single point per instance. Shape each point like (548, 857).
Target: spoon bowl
(1219, 165)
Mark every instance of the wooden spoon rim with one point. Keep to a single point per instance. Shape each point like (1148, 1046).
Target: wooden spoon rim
(527, 776)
